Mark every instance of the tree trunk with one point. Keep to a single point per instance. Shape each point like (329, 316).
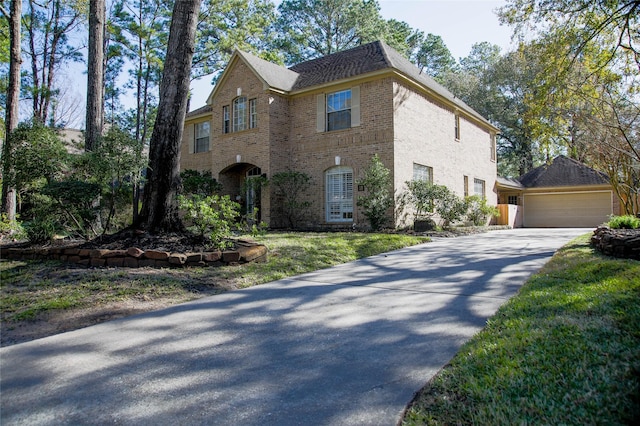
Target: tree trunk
(13, 99)
(95, 75)
(159, 206)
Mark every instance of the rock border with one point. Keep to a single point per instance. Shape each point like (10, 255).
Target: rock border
(624, 243)
(245, 251)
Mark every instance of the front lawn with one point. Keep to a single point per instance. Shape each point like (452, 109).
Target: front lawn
(565, 350)
(38, 298)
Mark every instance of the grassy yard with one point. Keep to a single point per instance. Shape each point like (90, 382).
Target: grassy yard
(565, 350)
(29, 289)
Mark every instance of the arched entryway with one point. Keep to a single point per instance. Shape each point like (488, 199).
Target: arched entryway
(243, 183)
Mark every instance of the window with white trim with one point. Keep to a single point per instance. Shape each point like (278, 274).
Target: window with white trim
(339, 110)
(226, 119)
(512, 199)
(253, 114)
(339, 194)
(239, 114)
(201, 143)
(421, 172)
(242, 115)
(479, 187)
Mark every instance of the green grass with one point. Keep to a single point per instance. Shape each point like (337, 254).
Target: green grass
(30, 288)
(565, 350)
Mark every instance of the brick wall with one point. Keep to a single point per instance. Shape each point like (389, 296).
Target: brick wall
(396, 123)
(424, 134)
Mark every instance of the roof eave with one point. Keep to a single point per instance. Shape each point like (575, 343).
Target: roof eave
(395, 72)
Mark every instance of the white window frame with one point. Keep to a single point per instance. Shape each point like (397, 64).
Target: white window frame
(338, 103)
(201, 137)
(240, 114)
(226, 119)
(512, 199)
(253, 114)
(339, 194)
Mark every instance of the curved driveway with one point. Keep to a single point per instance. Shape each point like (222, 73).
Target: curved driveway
(349, 345)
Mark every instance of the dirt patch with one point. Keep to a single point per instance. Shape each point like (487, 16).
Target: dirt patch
(50, 323)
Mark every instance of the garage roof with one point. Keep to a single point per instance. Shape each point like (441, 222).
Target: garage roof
(563, 171)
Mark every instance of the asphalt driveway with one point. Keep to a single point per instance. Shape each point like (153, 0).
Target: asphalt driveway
(349, 345)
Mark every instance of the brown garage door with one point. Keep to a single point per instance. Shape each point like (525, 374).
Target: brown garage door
(567, 210)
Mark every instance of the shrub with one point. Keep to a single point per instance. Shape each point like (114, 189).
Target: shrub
(290, 188)
(211, 217)
(202, 183)
(11, 229)
(378, 200)
(429, 200)
(624, 222)
(74, 207)
(450, 207)
(478, 211)
(41, 230)
(422, 196)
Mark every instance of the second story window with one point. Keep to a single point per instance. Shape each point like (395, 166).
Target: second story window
(242, 115)
(339, 110)
(226, 119)
(202, 137)
(493, 148)
(239, 114)
(253, 114)
(457, 126)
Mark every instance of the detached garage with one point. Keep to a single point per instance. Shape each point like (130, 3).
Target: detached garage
(566, 209)
(563, 194)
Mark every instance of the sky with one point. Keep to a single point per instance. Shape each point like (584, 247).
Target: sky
(460, 23)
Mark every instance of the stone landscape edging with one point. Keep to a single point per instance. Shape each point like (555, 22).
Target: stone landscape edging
(133, 257)
(623, 243)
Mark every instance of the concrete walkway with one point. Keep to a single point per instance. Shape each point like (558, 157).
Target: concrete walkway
(349, 345)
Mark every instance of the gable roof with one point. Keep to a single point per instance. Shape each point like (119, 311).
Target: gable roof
(563, 171)
(359, 61)
(364, 59)
(274, 75)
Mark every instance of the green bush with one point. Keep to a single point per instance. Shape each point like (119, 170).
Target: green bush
(422, 196)
(211, 217)
(11, 229)
(429, 200)
(202, 183)
(478, 211)
(378, 199)
(624, 222)
(75, 206)
(41, 230)
(290, 188)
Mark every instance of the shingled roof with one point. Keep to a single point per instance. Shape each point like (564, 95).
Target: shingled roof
(274, 75)
(563, 171)
(365, 59)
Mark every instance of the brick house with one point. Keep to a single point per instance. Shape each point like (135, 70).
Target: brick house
(327, 117)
